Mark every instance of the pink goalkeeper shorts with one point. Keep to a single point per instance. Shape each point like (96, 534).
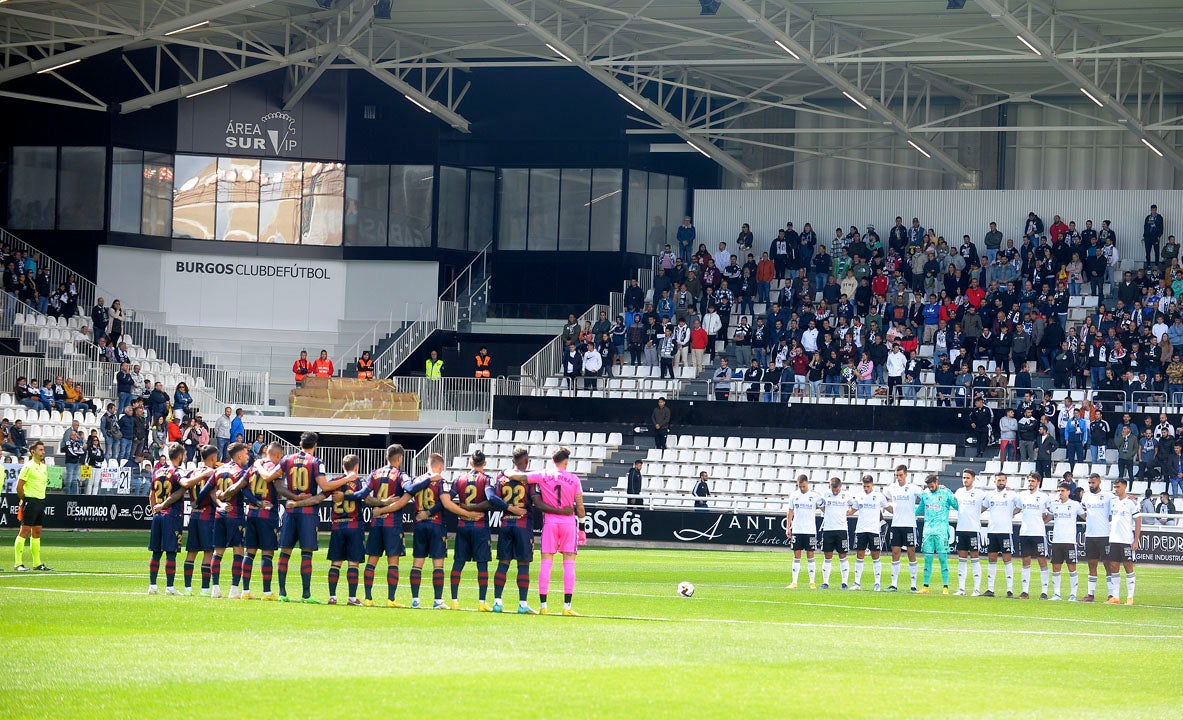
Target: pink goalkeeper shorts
(559, 537)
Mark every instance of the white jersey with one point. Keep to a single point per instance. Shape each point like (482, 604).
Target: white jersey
(870, 511)
(834, 509)
(1064, 516)
(1097, 506)
(969, 509)
(1033, 505)
(1001, 504)
(804, 505)
(1121, 520)
(902, 499)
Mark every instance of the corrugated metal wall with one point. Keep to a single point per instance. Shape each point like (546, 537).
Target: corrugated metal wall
(719, 213)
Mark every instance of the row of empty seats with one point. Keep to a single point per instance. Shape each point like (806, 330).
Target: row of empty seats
(805, 445)
(552, 437)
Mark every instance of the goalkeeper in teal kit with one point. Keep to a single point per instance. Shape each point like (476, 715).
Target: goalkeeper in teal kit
(934, 505)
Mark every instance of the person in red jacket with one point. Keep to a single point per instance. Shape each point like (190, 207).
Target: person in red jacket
(302, 368)
(323, 367)
(698, 346)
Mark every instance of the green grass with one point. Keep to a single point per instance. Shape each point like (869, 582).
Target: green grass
(742, 647)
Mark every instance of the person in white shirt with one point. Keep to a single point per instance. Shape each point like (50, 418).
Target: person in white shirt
(801, 524)
(592, 363)
(1125, 532)
(722, 257)
(835, 532)
(1097, 504)
(897, 363)
(712, 324)
(809, 339)
(969, 531)
(1033, 533)
(1002, 505)
(869, 505)
(1063, 513)
(901, 501)
(682, 342)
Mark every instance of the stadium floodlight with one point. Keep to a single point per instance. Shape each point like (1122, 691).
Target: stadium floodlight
(854, 100)
(59, 66)
(919, 149)
(382, 9)
(1090, 96)
(709, 7)
(1153, 149)
(1030, 47)
(207, 90)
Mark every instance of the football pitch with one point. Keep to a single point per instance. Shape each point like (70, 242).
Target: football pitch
(86, 641)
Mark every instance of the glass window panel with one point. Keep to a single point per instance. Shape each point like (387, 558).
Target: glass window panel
(127, 175)
(195, 197)
(411, 190)
(574, 209)
(676, 210)
(367, 196)
(280, 191)
(453, 204)
(657, 221)
(515, 194)
(605, 210)
(544, 210)
(33, 191)
(158, 194)
(481, 186)
(638, 222)
(82, 188)
(323, 213)
(238, 200)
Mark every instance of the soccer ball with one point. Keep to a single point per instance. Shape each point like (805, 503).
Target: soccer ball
(686, 589)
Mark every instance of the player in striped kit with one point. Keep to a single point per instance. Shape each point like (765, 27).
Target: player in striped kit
(901, 501)
(201, 519)
(1098, 505)
(164, 498)
(473, 492)
(384, 493)
(515, 540)
(430, 534)
(261, 535)
(1064, 512)
(1125, 533)
(836, 508)
(347, 536)
(801, 528)
(969, 531)
(228, 518)
(1033, 534)
(1002, 505)
(869, 505)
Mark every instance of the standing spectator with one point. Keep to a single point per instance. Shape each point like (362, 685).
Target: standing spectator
(712, 324)
(592, 363)
(570, 329)
(301, 368)
(237, 429)
(174, 430)
(572, 364)
(753, 377)
(158, 401)
(1008, 436)
(127, 431)
(1076, 436)
(1044, 447)
(699, 339)
(633, 484)
(660, 420)
(896, 364)
(323, 367)
(1164, 506)
(140, 432)
(433, 367)
(109, 426)
(116, 328)
(1099, 433)
(365, 366)
(94, 460)
(722, 380)
(1127, 453)
(182, 400)
(979, 425)
(1152, 228)
(222, 431)
(190, 438)
(125, 386)
(75, 451)
(701, 491)
(100, 317)
(1028, 433)
(686, 237)
(765, 272)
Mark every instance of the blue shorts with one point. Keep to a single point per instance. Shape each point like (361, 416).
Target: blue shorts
(261, 533)
(299, 528)
(472, 543)
(227, 532)
(201, 535)
(515, 543)
(430, 540)
(348, 545)
(166, 534)
(386, 541)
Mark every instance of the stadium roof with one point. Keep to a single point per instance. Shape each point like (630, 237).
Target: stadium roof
(876, 66)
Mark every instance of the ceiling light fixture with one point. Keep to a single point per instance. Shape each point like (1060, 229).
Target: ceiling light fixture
(209, 90)
(1029, 45)
(418, 104)
(194, 26)
(59, 67)
(854, 100)
(786, 48)
(919, 149)
(1153, 149)
(1089, 95)
(559, 52)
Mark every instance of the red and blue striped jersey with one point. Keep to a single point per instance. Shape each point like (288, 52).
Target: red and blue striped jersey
(260, 490)
(427, 499)
(387, 482)
(225, 476)
(347, 513)
(166, 481)
(203, 498)
(469, 489)
(514, 494)
(300, 471)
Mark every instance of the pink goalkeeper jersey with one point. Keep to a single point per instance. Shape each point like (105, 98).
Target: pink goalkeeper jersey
(558, 489)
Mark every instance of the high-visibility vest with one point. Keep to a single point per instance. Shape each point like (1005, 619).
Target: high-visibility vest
(365, 369)
(434, 369)
(482, 365)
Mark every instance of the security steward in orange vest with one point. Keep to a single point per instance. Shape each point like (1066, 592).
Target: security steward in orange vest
(482, 363)
(302, 368)
(365, 366)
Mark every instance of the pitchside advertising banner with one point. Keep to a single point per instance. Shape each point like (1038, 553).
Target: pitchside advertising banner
(620, 525)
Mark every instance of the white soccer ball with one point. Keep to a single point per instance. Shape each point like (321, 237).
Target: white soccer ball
(686, 589)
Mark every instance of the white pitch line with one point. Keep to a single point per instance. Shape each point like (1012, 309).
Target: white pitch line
(71, 592)
(24, 576)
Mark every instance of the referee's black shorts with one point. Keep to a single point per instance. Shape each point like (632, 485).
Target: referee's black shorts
(32, 512)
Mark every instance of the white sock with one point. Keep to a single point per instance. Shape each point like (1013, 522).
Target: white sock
(1056, 581)
(962, 571)
(1092, 585)
(844, 566)
(825, 571)
(1010, 577)
(1129, 586)
(977, 568)
(796, 569)
(1026, 578)
(912, 572)
(895, 573)
(858, 570)
(991, 573)
(1072, 583)
(566, 606)
(812, 570)
(877, 565)
(521, 603)
(1043, 580)
(1113, 582)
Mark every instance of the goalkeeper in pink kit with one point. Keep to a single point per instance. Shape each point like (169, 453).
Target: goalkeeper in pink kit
(559, 495)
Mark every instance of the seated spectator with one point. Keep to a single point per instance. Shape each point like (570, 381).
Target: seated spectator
(158, 439)
(28, 394)
(74, 395)
(5, 437)
(46, 392)
(174, 429)
(1165, 506)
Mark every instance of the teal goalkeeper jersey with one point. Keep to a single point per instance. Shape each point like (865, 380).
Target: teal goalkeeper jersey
(934, 508)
